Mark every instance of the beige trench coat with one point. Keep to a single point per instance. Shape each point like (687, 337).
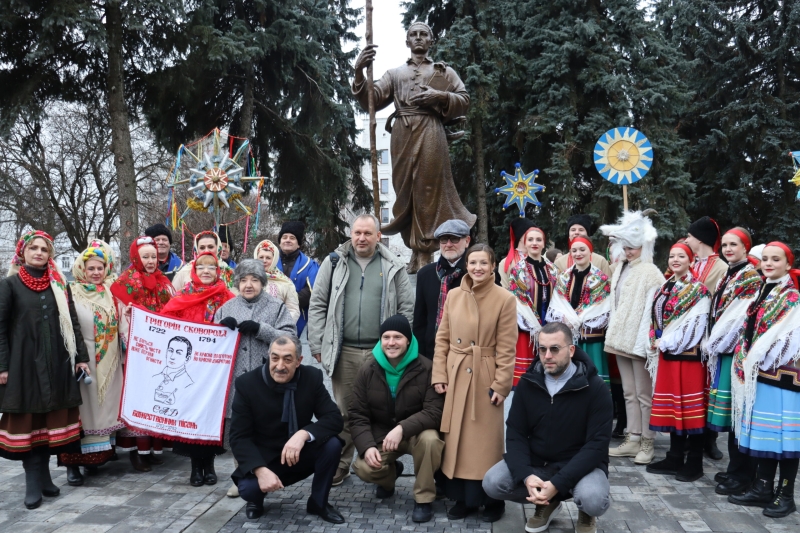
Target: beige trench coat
(475, 349)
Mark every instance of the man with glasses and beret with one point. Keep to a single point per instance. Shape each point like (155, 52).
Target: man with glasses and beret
(436, 279)
(557, 436)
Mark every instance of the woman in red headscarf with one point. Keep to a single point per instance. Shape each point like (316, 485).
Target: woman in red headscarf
(198, 301)
(679, 317)
(143, 284)
(41, 350)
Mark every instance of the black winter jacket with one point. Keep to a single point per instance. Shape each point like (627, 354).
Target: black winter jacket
(426, 305)
(564, 437)
(40, 376)
(257, 433)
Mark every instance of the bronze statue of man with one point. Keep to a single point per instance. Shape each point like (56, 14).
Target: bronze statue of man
(426, 96)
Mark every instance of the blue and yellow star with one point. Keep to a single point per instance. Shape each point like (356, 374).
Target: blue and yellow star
(520, 189)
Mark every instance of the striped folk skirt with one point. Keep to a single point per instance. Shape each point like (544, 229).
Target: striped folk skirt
(679, 397)
(57, 431)
(719, 397)
(525, 355)
(774, 427)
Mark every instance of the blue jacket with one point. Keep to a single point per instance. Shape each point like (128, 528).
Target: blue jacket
(303, 274)
(172, 265)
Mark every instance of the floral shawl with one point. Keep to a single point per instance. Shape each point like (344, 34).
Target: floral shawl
(594, 308)
(528, 318)
(776, 342)
(100, 302)
(135, 285)
(273, 274)
(728, 312)
(198, 302)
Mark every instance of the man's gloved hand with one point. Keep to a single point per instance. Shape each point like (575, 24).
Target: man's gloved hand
(249, 327)
(228, 321)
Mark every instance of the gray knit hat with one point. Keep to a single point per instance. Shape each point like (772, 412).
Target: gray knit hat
(250, 267)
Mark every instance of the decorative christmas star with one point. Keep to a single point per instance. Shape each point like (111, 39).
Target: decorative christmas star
(623, 156)
(520, 189)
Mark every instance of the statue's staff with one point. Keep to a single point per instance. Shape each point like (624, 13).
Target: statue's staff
(373, 149)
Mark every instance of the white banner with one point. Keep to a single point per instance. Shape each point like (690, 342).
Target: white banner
(177, 377)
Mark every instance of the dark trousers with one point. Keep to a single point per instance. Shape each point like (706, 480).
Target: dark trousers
(320, 460)
(741, 467)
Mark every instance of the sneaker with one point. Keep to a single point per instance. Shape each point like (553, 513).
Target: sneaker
(233, 492)
(586, 523)
(646, 452)
(341, 475)
(542, 517)
(628, 448)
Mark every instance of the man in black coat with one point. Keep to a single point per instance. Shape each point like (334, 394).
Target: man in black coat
(436, 279)
(557, 436)
(272, 435)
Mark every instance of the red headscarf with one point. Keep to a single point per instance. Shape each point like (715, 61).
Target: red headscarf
(585, 241)
(135, 285)
(685, 248)
(198, 302)
(794, 273)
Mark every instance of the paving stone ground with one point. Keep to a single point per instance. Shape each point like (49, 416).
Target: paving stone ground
(122, 500)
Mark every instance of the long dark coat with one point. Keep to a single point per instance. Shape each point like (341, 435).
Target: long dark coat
(40, 376)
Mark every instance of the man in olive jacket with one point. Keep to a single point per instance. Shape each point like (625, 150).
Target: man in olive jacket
(394, 411)
(358, 286)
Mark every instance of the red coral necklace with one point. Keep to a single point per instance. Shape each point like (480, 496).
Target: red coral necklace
(34, 284)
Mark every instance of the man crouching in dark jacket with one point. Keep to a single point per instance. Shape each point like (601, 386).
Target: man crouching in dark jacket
(394, 411)
(557, 436)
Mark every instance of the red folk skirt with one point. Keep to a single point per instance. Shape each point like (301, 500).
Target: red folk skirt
(679, 397)
(525, 355)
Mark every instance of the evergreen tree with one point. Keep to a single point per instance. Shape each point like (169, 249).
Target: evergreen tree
(273, 71)
(571, 70)
(78, 50)
(745, 116)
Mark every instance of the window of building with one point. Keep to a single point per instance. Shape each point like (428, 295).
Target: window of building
(384, 215)
(383, 157)
(384, 186)
(385, 241)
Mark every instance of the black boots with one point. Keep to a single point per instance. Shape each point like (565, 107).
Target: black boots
(203, 472)
(49, 488)
(33, 479)
(692, 470)
(760, 495)
(74, 476)
(668, 466)
(196, 477)
(783, 504)
(618, 398)
(209, 474)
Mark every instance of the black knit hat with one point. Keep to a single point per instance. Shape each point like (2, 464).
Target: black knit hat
(157, 230)
(519, 226)
(397, 323)
(581, 220)
(225, 234)
(706, 230)
(296, 228)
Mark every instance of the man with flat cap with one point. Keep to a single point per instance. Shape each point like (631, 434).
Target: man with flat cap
(581, 226)
(435, 280)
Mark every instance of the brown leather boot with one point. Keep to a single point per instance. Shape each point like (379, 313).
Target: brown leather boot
(138, 463)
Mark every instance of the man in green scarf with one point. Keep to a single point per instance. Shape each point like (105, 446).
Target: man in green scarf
(395, 411)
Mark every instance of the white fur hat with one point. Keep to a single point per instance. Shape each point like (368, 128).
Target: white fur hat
(632, 230)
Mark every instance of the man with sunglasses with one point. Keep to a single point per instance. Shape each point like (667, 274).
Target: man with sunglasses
(436, 279)
(557, 436)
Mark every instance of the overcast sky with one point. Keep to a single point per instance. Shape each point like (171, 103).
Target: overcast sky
(389, 35)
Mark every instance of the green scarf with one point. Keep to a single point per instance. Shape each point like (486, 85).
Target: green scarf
(393, 374)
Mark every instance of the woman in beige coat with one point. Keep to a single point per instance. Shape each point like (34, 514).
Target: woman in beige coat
(473, 364)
